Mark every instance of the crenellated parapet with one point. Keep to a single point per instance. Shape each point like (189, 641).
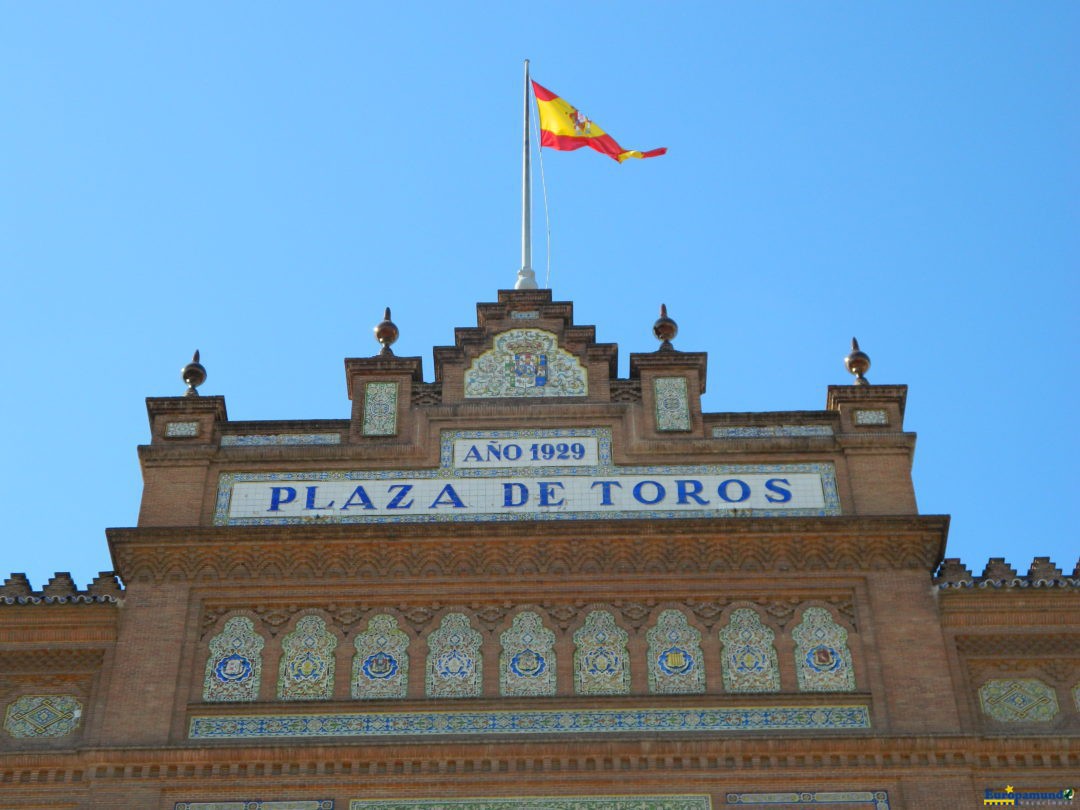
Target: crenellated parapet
(1042, 573)
(61, 590)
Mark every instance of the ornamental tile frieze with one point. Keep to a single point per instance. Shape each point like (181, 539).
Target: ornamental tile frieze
(455, 666)
(526, 363)
(541, 803)
(601, 660)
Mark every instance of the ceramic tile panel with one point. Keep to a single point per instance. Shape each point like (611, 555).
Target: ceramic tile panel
(381, 663)
(454, 667)
(601, 660)
(176, 430)
(676, 664)
(871, 416)
(527, 660)
(770, 431)
(672, 404)
(748, 656)
(1018, 700)
(307, 661)
(525, 315)
(234, 666)
(822, 658)
(42, 716)
(526, 363)
(305, 804)
(380, 408)
(280, 439)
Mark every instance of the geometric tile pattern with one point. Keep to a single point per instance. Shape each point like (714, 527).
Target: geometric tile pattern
(749, 657)
(280, 439)
(455, 668)
(601, 661)
(770, 431)
(541, 803)
(1018, 700)
(175, 430)
(868, 799)
(380, 408)
(672, 403)
(871, 417)
(32, 716)
(822, 658)
(381, 663)
(526, 363)
(724, 719)
(316, 804)
(234, 666)
(675, 661)
(527, 660)
(307, 662)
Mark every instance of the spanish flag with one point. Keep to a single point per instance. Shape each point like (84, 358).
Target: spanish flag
(563, 127)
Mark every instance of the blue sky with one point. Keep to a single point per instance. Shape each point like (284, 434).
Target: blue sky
(259, 180)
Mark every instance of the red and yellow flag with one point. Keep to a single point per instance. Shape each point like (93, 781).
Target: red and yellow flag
(564, 127)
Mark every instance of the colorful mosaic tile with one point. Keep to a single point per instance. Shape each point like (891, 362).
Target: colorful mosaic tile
(601, 661)
(874, 416)
(234, 666)
(307, 662)
(30, 716)
(675, 661)
(672, 403)
(307, 804)
(526, 363)
(527, 660)
(748, 656)
(727, 719)
(280, 439)
(455, 668)
(770, 431)
(822, 658)
(380, 408)
(176, 430)
(540, 803)
(381, 663)
(868, 799)
(1018, 700)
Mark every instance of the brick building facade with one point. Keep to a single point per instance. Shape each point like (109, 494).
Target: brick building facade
(532, 584)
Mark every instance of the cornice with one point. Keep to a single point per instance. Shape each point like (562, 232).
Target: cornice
(350, 763)
(588, 549)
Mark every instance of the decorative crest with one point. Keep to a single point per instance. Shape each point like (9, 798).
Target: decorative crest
(386, 332)
(194, 374)
(665, 329)
(858, 363)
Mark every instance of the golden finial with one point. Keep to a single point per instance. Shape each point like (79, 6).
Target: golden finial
(858, 363)
(665, 329)
(386, 333)
(194, 374)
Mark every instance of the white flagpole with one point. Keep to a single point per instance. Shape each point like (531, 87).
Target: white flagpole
(526, 278)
